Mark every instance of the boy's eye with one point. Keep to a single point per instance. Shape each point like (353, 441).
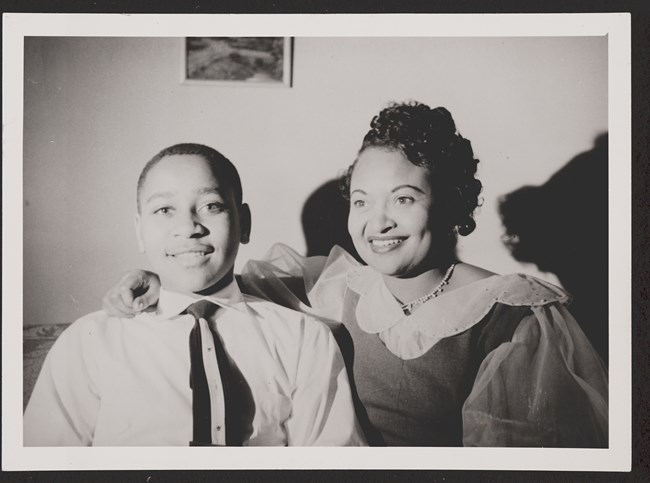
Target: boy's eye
(214, 207)
(164, 210)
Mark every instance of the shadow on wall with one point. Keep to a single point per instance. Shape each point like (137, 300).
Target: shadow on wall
(325, 221)
(561, 226)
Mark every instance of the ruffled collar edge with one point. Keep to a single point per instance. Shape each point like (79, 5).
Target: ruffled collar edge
(452, 312)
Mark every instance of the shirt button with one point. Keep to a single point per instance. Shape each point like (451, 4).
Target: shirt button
(218, 428)
(209, 348)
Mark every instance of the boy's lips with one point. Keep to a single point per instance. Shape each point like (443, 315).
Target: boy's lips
(191, 256)
(193, 250)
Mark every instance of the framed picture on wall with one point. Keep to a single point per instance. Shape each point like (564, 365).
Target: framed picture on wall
(255, 61)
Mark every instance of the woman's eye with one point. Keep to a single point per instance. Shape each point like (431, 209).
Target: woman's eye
(404, 200)
(358, 203)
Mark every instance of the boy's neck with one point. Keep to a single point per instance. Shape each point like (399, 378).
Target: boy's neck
(217, 287)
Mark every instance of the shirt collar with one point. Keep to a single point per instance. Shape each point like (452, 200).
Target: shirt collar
(173, 303)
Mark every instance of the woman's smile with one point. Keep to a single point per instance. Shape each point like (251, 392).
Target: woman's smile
(383, 244)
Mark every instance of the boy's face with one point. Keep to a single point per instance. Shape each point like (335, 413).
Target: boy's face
(189, 225)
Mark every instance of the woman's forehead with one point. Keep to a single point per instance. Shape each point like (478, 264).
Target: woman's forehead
(380, 167)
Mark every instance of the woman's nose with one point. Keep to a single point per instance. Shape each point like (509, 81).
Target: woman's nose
(381, 220)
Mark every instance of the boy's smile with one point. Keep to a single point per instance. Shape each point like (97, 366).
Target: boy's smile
(189, 224)
(191, 256)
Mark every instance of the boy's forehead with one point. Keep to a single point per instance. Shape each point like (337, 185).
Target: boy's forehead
(184, 173)
(181, 171)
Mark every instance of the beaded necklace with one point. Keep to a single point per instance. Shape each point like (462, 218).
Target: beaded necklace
(408, 308)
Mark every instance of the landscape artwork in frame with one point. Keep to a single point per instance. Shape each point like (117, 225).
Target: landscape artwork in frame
(255, 61)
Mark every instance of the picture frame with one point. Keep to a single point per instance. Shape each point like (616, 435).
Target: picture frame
(240, 61)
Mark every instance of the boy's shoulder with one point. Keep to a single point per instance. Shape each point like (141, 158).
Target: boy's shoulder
(98, 318)
(280, 317)
(91, 325)
(93, 319)
(81, 338)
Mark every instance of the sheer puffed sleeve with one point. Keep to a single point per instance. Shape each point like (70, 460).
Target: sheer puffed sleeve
(313, 285)
(545, 387)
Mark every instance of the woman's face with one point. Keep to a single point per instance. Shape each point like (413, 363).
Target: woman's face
(390, 206)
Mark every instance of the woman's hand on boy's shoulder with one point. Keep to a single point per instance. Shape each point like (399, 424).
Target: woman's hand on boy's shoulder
(135, 292)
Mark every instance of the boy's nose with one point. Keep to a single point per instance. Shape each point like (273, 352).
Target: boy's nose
(189, 226)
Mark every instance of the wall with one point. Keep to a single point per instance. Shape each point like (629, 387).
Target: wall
(96, 109)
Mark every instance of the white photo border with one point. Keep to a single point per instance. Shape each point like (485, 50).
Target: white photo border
(616, 26)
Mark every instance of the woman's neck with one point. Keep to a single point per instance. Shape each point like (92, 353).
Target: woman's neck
(406, 290)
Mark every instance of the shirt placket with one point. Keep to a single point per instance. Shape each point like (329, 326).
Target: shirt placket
(217, 408)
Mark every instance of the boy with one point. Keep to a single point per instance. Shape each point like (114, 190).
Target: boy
(255, 373)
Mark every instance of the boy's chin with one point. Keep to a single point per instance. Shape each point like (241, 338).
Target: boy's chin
(199, 287)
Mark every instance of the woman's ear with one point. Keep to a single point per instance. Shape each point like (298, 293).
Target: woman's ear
(245, 223)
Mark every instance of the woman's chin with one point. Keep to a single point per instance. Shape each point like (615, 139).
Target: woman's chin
(390, 270)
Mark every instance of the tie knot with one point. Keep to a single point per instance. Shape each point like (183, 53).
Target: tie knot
(203, 309)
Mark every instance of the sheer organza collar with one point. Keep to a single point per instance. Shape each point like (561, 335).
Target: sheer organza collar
(451, 312)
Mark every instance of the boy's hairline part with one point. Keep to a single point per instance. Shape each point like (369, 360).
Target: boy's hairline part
(220, 166)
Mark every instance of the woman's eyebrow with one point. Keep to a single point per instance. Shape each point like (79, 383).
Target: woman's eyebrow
(358, 191)
(397, 188)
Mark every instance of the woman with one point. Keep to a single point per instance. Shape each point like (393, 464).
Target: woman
(442, 353)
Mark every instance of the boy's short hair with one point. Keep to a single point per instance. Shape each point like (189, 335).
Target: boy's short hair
(221, 167)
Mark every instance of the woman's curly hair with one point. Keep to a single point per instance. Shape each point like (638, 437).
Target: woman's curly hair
(428, 138)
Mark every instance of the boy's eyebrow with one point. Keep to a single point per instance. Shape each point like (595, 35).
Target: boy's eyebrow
(160, 194)
(170, 194)
(397, 188)
(209, 189)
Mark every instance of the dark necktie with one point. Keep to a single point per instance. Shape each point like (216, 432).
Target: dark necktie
(201, 403)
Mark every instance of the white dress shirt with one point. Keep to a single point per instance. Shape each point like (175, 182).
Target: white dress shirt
(110, 381)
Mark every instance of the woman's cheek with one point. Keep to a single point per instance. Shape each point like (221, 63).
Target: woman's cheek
(354, 225)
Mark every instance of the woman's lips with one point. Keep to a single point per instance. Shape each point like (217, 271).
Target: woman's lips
(385, 244)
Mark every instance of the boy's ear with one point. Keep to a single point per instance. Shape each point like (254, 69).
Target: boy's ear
(245, 223)
(138, 232)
